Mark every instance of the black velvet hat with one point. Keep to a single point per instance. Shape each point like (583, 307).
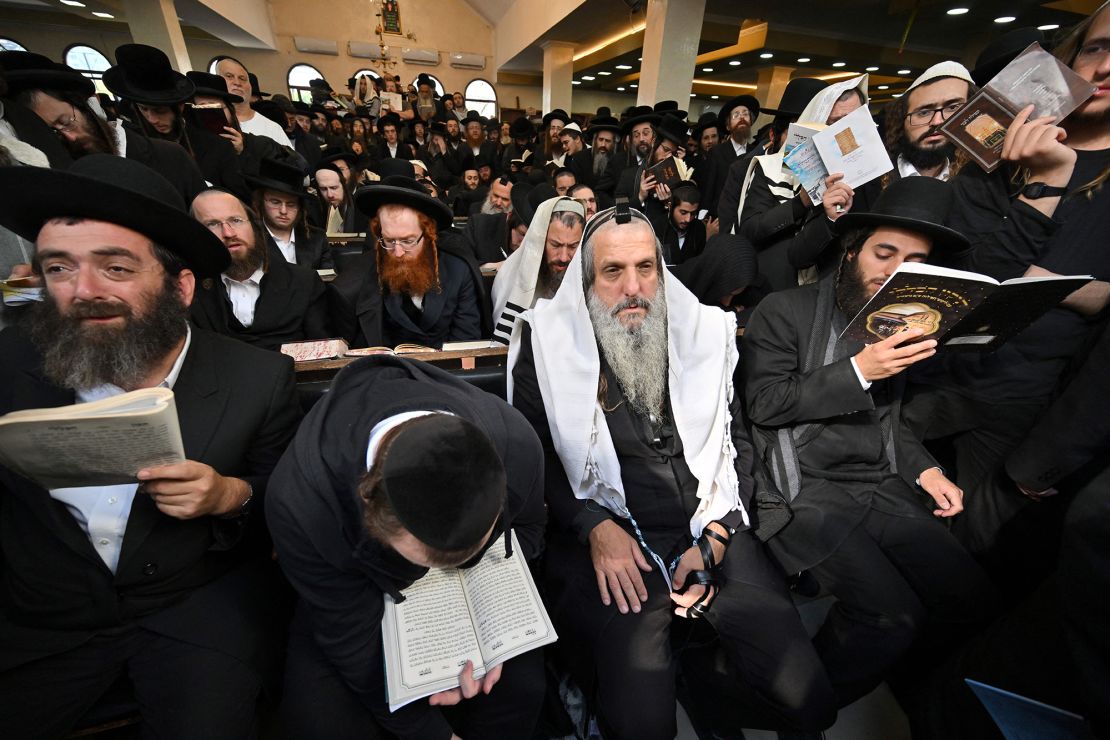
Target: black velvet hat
(424, 79)
(402, 191)
(797, 95)
(747, 101)
(472, 117)
(920, 204)
(600, 123)
(674, 129)
(521, 127)
(25, 70)
(143, 75)
(118, 190)
(669, 108)
(255, 89)
(213, 85)
(334, 153)
(637, 115)
(706, 120)
(275, 175)
(390, 118)
(395, 167)
(439, 128)
(1002, 51)
(445, 481)
(556, 115)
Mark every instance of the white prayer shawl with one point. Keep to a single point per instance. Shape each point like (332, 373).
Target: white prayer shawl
(702, 356)
(514, 288)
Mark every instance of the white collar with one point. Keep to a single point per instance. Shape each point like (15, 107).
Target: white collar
(254, 279)
(292, 236)
(738, 148)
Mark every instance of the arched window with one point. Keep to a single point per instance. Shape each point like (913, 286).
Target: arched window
(11, 45)
(434, 79)
(481, 96)
(299, 77)
(89, 62)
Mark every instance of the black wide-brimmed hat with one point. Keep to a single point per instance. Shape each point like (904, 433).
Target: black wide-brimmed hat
(390, 118)
(284, 104)
(747, 101)
(143, 75)
(669, 108)
(674, 129)
(521, 128)
(279, 176)
(212, 85)
(1002, 51)
(706, 120)
(438, 128)
(556, 115)
(601, 123)
(302, 108)
(402, 191)
(395, 167)
(797, 95)
(918, 204)
(255, 89)
(25, 70)
(118, 190)
(334, 153)
(636, 115)
(445, 481)
(424, 79)
(472, 117)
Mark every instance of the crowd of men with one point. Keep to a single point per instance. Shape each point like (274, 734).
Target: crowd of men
(689, 455)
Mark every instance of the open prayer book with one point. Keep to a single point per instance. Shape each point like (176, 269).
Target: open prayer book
(101, 443)
(487, 614)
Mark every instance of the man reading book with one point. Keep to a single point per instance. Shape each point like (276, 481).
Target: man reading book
(827, 419)
(400, 467)
(166, 582)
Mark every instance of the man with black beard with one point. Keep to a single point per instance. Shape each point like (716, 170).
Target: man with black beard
(66, 100)
(737, 116)
(536, 269)
(638, 132)
(604, 132)
(627, 381)
(259, 299)
(522, 133)
(828, 420)
(166, 580)
(913, 121)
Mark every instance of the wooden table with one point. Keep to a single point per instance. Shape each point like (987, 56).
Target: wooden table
(324, 370)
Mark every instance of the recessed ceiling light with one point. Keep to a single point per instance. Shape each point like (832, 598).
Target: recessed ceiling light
(693, 95)
(588, 78)
(872, 69)
(734, 63)
(73, 3)
(605, 74)
(957, 11)
(897, 95)
(884, 87)
(1048, 27)
(575, 82)
(624, 66)
(714, 97)
(103, 15)
(905, 71)
(1005, 19)
(639, 59)
(766, 55)
(620, 89)
(633, 85)
(839, 64)
(706, 69)
(803, 60)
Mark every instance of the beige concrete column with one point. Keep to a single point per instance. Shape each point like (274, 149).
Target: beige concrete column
(670, 50)
(154, 23)
(771, 82)
(558, 70)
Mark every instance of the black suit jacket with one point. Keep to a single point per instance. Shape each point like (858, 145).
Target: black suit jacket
(206, 581)
(291, 307)
(488, 236)
(217, 161)
(169, 160)
(403, 151)
(711, 178)
(311, 249)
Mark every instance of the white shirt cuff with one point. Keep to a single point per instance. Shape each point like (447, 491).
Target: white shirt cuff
(862, 380)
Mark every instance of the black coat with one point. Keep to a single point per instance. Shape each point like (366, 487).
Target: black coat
(629, 186)
(291, 307)
(308, 146)
(488, 236)
(444, 169)
(311, 248)
(237, 409)
(714, 171)
(693, 245)
(217, 161)
(169, 160)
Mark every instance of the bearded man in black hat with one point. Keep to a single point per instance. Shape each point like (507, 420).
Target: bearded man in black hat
(281, 200)
(166, 580)
(522, 133)
(443, 166)
(476, 145)
(552, 149)
(603, 134)
(399, 468)
(66, 100)
(406, 288)
(638, 134)
(637, 184)
(737, 116)
(828, 419)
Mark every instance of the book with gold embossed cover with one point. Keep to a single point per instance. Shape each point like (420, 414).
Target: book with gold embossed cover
(961, 310)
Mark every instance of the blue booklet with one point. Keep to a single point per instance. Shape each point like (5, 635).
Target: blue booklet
(1021, 718)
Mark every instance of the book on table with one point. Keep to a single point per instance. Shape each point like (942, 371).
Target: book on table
(487, 614)
(959, 309)
(101, 443)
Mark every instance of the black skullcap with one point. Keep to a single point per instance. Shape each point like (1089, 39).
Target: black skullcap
(444, 480)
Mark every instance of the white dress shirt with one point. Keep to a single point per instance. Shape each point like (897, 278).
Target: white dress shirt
(102, 511)
(738, 148)
(288, 248)
(905, 169)
(243, 294)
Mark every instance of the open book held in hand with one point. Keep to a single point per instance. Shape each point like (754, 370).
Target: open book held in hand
(487, 614)
(1034, 78)
(957, 308)
(852, 146)
(102, 443)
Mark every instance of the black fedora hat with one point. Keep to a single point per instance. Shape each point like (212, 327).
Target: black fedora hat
(424, 79)
(402, 191)
(799, 91)
(395, 167)
(438, 128)
(918, 204)
(556, 115)
(472, 117)
(255, 89)
(143, 75)
(302, 108)
(279, 176)
(1002, 51)
(333, 154)
(25, 70)
(598, 124)
(747, 101)
(706, 120)
(390, 118)
(669, 108)
(636, 115)
(674, 129)
(213, 85)
(521, 128)
(118, 190)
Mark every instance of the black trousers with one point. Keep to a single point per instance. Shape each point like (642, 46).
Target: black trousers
(893, 576)
(759, 671)
(318, 705)
(183, 691)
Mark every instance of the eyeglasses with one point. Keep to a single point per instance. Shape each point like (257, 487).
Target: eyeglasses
(235, 222)
(406, 245)
(1093, 49)
(925, 115)
(67, 126)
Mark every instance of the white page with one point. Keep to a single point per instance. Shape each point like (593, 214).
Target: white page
(854, 147)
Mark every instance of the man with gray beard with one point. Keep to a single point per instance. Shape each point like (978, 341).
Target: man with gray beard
(627, 380)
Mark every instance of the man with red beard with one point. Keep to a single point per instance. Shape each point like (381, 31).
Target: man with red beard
(405, 288)
(263, 301)
(164, 580)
